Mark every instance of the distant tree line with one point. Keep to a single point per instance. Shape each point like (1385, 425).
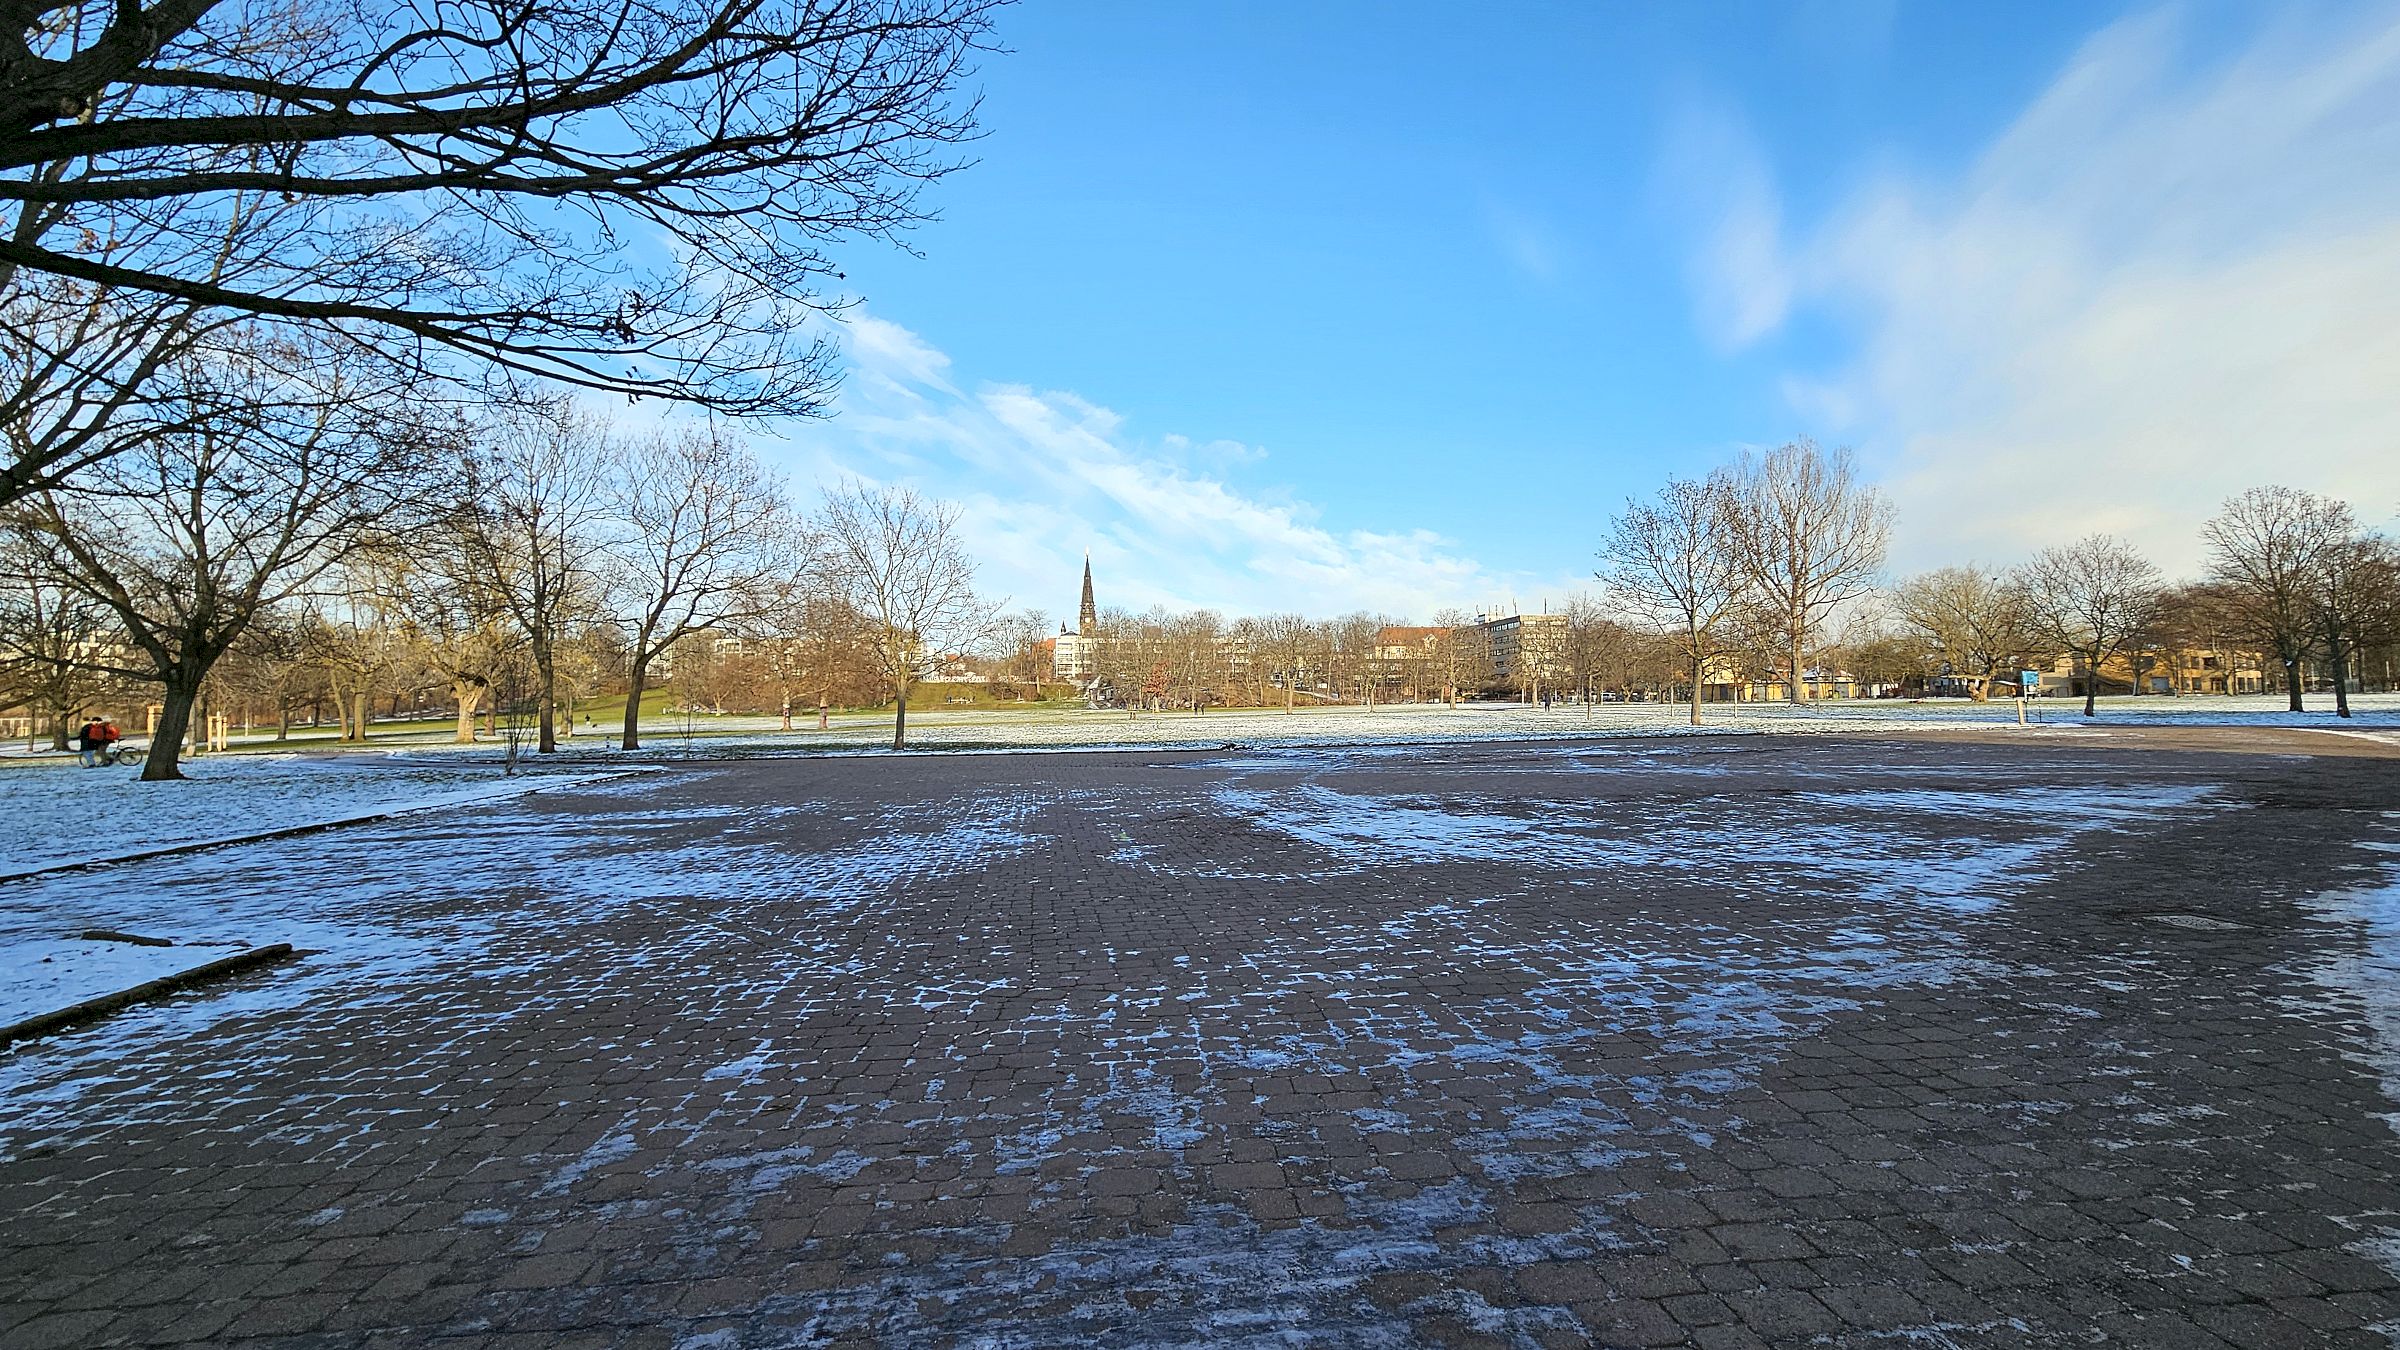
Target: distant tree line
(516, 565)
(1743, 571)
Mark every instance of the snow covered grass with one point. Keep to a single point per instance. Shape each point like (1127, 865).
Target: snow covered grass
(39, 975)
(59, 813)
(1055, 728)
(2378, 717)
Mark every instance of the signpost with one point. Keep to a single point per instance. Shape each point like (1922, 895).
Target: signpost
(2027, 682)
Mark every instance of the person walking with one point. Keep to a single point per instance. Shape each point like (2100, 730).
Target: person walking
(87, 745)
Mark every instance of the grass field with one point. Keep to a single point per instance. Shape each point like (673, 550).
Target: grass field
(673, 733)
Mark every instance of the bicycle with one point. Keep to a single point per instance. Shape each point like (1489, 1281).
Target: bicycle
(117, 752)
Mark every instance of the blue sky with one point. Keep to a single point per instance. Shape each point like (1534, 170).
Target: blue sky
(1327, 307)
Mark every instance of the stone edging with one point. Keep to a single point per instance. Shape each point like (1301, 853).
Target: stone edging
(89, 1009)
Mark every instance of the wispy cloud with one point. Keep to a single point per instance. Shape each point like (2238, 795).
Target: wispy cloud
(1716, 186)
(1533, 246)
(2168, 280)
(1043, 475)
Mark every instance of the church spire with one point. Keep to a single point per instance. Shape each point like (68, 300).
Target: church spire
(1087, 618)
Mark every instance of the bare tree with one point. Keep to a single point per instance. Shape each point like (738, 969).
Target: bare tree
(1543, 641)
(2268, 547)
(354, 638)
(2089, 599)
(1020, 636)
(1809, 536)
(706, 525)
(455, 612)
(1196, 658)
(82, 378)
(1462, 656)
(1593, 644)
(49, 636)
(1349, 653)
(1669, 562)
(1979, 620)
(86, 366)
(1881, 657)
(270, 665)
(484, 179)
(188, 537)
(902, 566)
(834, 648)
(2197, 622)
(2358, 604)
(1286, 642)
(540, 483)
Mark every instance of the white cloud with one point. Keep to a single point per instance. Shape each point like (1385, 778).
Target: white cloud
(2166, 282)
(1717, 187)
(1043, 475)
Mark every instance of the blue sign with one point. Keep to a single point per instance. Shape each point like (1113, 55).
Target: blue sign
(2030, 679)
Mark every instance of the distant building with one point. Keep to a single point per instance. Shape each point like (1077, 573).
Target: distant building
(1729, 679)
(1075, 656)
(950, 668)
(2167, 670)
(1087, 614)
(1526, 649)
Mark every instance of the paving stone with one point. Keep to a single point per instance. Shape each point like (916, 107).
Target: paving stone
(1736, 1042)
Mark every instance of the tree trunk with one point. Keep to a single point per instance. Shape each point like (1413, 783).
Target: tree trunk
(1696, 691)
(283, 718)
(900, 718)
(2091, 683)
(1797, 693)
(2291, 682)
(787, 712)
(469, 694)
(2339, 657)
(545, 672)
(358, 715)
(639, 675)
(165, 760)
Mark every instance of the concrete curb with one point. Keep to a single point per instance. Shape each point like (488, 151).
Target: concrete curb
(289, 831)
(93, 1008)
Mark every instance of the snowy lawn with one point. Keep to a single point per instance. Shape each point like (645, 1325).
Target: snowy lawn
(59, 813)
(2378, 716)
(39, 976)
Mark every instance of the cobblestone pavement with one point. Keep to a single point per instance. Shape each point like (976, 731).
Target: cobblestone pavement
(1725, 1042)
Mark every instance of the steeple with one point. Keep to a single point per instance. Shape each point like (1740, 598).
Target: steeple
(1087, 618)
